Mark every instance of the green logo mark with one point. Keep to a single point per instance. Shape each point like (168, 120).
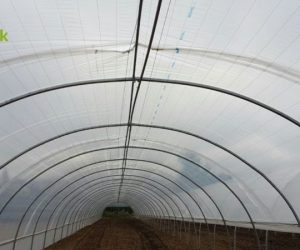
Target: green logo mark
(3, 36)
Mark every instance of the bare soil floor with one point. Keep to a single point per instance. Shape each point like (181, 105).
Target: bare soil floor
(134, 234)
(117, 234)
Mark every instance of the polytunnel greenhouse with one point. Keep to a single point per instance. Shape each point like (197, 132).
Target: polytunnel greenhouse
(155, 124)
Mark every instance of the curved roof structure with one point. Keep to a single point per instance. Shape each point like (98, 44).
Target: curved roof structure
(180, 109)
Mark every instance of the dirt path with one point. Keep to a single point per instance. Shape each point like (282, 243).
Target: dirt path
(114, 234)
(133, 234)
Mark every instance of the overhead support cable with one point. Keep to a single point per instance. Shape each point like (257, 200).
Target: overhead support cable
(132, 90)
(132, 105)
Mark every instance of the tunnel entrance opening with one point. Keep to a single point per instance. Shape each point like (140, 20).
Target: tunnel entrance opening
(117, 211)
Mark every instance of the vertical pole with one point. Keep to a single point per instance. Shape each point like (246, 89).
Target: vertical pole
(180, 229)
(184, 226)
(160, 224)
(167, 229)
(185, 230)
(168, 225)
(189, 233)
(215, 237)
(62, 232)
(174, 232)
(68, 227)
(194, 235)
(267, 239)
(32, 239)
(200, 235)
(234, 239)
